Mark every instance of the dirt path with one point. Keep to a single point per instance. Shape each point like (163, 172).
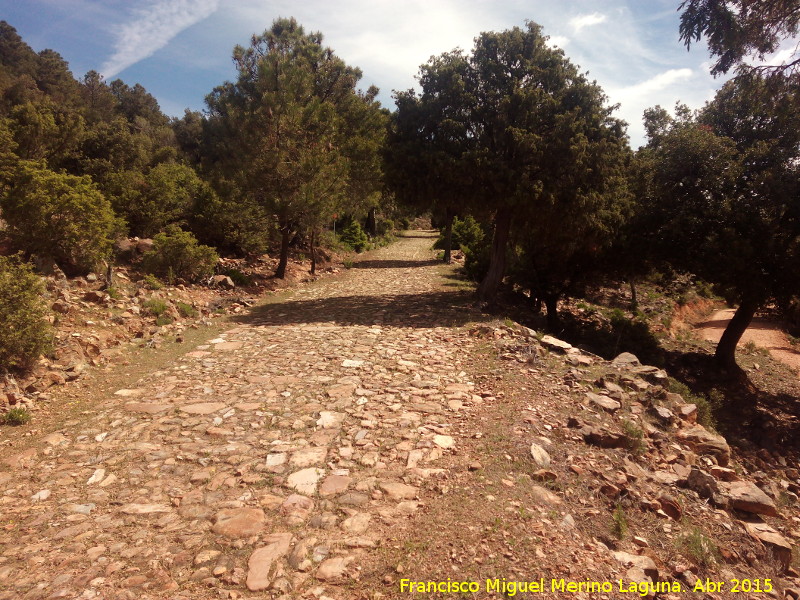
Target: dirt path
(763, 332)
(264, 459)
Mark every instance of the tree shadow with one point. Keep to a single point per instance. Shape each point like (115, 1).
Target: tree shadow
(428, 236)
(432, 309)
(746, 414)
(395, 264)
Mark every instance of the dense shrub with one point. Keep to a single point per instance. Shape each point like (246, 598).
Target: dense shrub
(354, 237)
(24, 331)
(467, 233)
(176, 254)
(385, 227)
(60, 216)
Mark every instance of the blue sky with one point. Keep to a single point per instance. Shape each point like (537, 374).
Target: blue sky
(180, 49)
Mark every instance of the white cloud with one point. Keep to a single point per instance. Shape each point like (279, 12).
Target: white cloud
(152, 28)
(557, 41)
(582, 21)
(659, 82)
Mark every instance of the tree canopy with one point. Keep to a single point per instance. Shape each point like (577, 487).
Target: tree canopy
(724, 187)
(293, 133)
(738, 29)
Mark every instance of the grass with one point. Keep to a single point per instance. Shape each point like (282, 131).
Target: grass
(152, 282)
(698, 547)
(348, 263)
(16, 416)
(619, 523)
(634, 437)
(155, 307)
(186, 310)
(705, 406)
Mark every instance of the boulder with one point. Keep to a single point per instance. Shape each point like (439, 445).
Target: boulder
(702, 441)
(774, 541)
(626, 359)
(603, 402)
(223, 281)
(748, 497)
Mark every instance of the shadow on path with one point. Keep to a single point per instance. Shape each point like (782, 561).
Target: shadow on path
(431, 309)
(395, 264)
(432, 235)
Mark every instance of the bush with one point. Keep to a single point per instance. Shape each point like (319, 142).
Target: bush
(25, 333)
(186, 310)
(155, 307)
(60, 216)
(403, 223)
(176, 253)
(467, 233)
(385, 227)
(477, 258)
(237, 277)
(152, 282)
(16, 416)
(354, 237)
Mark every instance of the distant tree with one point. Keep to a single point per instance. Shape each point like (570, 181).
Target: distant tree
(738, 29)
(546, 138)
(431, 138)
(725, 187)
(99, 103)
(284, 132)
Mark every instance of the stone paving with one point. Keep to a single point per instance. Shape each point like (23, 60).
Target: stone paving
(266, 462)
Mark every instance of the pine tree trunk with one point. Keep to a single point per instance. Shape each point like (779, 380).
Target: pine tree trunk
(286, 234)
(372, 223)
(725, 354)
(313, 253)
(448, 237)
(551, 303)
(634, 295)
(487, 291)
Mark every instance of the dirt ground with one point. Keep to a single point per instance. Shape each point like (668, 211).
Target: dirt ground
(763, 332)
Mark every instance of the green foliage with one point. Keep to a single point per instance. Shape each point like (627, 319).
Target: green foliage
(15, 416)
(619, 523)
(467, 233)
(698, 547)
(720, 189)
(176, 253)
(186, 310)
(162, 320)
(404, 223)
(385, 227)
(737, 29)
(152, 282)
(353, 236)
(239, 278)
(155, 307)
(25, 333)
(167, 193)
(706, 407)
(292, 135)
(634, 437)
(61, 216)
